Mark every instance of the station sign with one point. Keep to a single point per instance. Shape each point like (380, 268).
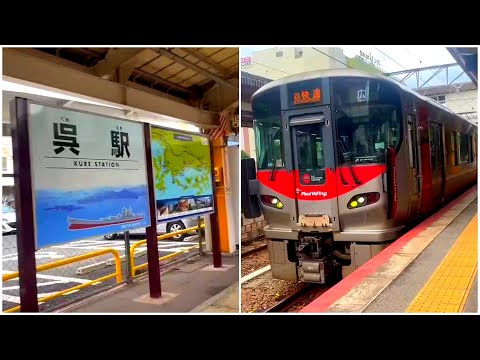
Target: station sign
(89, 175)
(246, 61)
(369, 59)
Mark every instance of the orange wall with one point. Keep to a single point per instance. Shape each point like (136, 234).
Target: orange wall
(218, 161)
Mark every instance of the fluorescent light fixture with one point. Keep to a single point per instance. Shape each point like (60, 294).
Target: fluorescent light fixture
(11, 86)
(165, 121)
(141, 115)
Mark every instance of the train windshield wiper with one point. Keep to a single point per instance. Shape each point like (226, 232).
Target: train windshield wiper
(349, 165)
(272, 172)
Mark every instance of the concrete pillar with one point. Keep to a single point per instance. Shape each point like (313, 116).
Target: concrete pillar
(208, 233)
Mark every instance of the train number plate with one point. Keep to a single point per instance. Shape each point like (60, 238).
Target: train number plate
(314, 220)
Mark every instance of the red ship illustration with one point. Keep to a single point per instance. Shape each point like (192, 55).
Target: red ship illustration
(127, 216)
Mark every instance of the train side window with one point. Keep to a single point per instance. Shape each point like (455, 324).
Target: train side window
(439, 145)
(435, 136)
(411, 143)
(464, 148)
(472, 144)
(474, 148)
(431, 135)
(453, 148)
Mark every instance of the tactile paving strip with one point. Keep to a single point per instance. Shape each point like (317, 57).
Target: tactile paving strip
(448, 287)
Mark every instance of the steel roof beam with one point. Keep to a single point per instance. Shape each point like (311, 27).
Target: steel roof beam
(48, 75)
(52, 58)
(419, 69)
(451, 82)
(431, 77)
(467, 58)
(114, 59)
(198, 69)
(162, 81)
(206, 60)
(406, 77)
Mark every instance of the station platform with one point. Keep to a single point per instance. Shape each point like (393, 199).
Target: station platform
(191, 286)
(430, 269)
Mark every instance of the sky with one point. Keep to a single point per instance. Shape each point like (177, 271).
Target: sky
(392, 57)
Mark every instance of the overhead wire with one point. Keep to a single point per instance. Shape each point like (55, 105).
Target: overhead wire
(331, 57)
(255, 62)
(414, 57)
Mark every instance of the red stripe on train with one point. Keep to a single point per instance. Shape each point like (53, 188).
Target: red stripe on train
(285, 183)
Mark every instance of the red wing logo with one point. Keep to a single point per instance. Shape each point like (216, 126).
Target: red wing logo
(306, 178)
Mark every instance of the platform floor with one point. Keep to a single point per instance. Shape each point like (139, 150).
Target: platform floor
(192, 286)
(427, 286)
(433, 268)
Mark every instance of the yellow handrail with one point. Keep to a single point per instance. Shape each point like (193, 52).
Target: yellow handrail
(73, 259)
(165, 257)
(160, 237)
(118, 269)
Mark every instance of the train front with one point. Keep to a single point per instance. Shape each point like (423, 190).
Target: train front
(326, 149)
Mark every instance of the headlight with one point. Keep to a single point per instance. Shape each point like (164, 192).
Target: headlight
(271, 201)
(363, 199)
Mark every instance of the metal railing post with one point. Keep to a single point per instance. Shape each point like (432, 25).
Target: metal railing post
(55, 264)
(128, 264)
(200, 247)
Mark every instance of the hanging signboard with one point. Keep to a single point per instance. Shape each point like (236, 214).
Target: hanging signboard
(88, 175)
(246, 61)
(182, 173)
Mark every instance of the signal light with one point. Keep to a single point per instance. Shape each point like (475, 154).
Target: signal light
(363, 200)
(271, 201)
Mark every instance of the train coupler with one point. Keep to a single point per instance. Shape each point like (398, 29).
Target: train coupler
(312, 271)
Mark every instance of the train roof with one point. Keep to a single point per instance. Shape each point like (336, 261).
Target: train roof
(351, 73)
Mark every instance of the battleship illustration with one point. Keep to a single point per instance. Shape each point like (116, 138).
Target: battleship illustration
(127, 216)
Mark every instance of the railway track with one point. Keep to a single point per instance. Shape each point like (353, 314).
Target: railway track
(252, 249)
(297, 297)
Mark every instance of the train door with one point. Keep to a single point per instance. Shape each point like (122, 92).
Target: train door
(436, 161)
(414, 166)
(314, 169)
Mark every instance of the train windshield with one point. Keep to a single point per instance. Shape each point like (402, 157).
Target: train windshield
(368, 118)
(268, 134)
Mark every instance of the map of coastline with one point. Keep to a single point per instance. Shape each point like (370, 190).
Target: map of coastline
(181, 164)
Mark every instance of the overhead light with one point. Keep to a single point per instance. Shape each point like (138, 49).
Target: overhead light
(140, 115)
(11, 86)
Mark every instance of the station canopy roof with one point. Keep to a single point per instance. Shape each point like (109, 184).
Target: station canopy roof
(467, 58)
(193, 84)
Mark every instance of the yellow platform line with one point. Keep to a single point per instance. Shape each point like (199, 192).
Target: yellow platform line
(448, 287)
